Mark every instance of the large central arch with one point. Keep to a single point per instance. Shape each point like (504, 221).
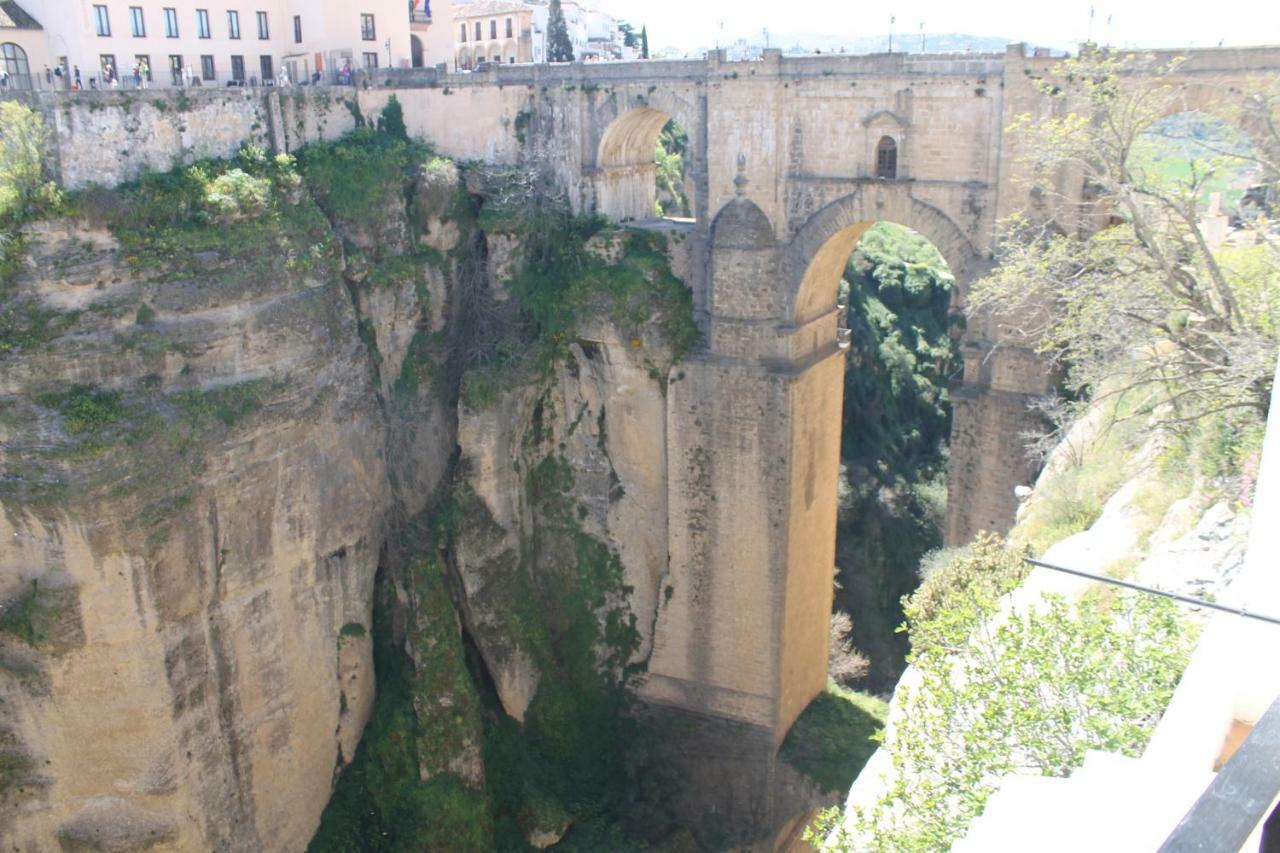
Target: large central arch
(815, 259)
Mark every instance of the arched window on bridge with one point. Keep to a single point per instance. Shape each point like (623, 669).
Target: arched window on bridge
(464, 33)
(886, 158)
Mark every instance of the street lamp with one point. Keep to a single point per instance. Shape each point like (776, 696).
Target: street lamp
(388, 53)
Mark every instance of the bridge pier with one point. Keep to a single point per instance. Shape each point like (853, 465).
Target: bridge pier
(991, 415)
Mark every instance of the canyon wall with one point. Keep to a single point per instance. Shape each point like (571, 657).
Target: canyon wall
(195, 496)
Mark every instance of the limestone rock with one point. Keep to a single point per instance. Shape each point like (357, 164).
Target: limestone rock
(181, 574)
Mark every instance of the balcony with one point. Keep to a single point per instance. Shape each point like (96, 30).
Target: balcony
(420, 15)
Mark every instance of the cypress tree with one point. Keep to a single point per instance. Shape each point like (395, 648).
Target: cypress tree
(559, 47)
(644, 41)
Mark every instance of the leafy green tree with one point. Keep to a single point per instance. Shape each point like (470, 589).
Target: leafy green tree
(1030, 693)
(669, 155)
(23, 188)
(559, 46)
(391, 121)
(1124, 291)
(629, 38)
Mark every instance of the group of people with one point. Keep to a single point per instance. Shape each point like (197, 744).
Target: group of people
(58, 77)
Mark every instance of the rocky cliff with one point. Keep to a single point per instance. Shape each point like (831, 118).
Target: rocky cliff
(195, 496)
(242, 401)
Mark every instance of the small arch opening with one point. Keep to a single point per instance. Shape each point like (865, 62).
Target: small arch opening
(415, 51)
(887, 158)
(644, 169)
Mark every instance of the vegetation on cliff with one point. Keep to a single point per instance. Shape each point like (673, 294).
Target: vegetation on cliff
(1148, 303)
(1030, 693)
(570, 270)
(559, 597)
(221, 222)
(399, 793)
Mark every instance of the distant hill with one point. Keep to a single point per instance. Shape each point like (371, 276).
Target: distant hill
(905, 42)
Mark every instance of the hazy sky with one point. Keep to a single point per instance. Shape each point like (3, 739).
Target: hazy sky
(1054, 23)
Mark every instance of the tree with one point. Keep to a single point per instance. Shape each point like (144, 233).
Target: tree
(629, 38)
(391, 121)
(644, 42)
(559, 47)
(1120, 286)
(23, 189)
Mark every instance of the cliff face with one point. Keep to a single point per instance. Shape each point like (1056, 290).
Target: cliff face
(238, 407)
(195, 496)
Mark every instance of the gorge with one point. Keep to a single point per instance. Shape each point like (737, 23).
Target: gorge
(324, 432)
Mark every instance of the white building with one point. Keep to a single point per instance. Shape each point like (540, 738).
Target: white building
(593, 33)
(207, 42)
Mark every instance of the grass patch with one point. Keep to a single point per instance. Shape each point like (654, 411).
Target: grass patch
(17, 617)
(14, 770)
(1071, 500)
(835, 736)
(25, 324)
(228, 405)
(88, 410)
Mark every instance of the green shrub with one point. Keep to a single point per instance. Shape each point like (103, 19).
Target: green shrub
(1030, 693)
(236, 193)
(353, 177)
(391, 120)
(23, 189)
(17, 615)
(89, 410)
(146, 315)
(352, 629)
(227, 405)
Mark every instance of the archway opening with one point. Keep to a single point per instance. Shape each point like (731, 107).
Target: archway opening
(674, 187)
(889, 293)
(896, 301)
(643, 172)
(415, 51)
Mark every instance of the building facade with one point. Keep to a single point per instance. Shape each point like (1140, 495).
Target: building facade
(482, 33)
(205, 42)
(496, 32)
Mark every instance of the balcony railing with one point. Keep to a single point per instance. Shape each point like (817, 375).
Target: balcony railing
(1238, 799)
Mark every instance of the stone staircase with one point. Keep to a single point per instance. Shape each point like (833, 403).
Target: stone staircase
(1111, 804)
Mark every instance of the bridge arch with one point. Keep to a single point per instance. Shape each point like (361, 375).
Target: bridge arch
(625, 175)
(815, 258)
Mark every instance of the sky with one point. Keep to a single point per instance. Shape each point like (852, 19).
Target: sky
(687, 24)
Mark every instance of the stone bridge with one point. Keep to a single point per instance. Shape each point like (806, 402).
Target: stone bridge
(791, 159)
